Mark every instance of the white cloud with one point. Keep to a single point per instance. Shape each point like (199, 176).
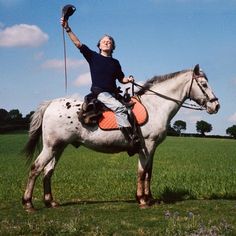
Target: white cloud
(232, 118)
(60, 64)
(22, 35)
(1, 25)
(82, 80)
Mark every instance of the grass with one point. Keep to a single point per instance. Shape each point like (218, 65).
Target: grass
(193, 178)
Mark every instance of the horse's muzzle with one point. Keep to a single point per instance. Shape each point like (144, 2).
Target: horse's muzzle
(213, 106)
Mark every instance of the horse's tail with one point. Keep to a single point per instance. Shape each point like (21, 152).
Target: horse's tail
(35, 131)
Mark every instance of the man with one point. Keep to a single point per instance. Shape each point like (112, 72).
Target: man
(105, 70)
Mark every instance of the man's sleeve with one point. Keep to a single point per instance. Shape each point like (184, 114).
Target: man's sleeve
(120, 74)
(86, 51)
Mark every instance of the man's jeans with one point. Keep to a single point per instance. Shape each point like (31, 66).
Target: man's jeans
(119, 109)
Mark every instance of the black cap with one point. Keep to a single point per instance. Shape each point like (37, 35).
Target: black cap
(67, 11)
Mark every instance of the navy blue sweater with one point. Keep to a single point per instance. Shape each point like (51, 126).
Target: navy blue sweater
(104, 71)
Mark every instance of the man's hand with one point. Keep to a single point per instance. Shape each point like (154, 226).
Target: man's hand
(126, 80)
(64, 23)
(131, 79)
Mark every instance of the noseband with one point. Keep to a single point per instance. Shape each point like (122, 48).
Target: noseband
(195, 77)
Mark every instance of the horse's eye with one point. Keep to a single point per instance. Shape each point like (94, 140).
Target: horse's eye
(204, 85)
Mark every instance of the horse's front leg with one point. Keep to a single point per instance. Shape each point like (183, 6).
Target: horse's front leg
(147, 185)
(144, 195)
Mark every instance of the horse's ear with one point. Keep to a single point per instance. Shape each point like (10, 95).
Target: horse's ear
(196, 70)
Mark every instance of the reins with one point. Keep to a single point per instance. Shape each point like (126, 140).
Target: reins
(185, 104)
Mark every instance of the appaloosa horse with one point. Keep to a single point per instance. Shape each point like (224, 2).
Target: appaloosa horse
(57, 122)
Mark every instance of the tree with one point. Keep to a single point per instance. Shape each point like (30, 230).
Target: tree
(231, 131)
(203, 127)
(4, 115)
(28, 116)
(15, 114)
(13, 120)
(179, 125)
(171, 131)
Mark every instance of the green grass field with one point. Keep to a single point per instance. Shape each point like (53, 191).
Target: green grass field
(194, 179)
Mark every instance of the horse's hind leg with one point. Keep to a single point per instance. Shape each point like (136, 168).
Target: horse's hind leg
(42, 160)
(48, 172)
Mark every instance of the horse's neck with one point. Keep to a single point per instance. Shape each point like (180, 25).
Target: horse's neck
(175, 91)
(175, 88)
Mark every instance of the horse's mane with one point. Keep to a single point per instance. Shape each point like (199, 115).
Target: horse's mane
(158, 79)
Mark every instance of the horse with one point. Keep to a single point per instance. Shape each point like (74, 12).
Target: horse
(56, 123)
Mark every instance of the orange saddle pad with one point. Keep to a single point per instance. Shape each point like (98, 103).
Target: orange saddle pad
(108, 120)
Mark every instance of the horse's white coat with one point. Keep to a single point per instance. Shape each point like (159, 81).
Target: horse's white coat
(60, 127)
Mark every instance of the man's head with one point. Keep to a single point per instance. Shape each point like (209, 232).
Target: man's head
(107, 44)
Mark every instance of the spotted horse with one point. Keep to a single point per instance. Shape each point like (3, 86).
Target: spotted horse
(57, 123)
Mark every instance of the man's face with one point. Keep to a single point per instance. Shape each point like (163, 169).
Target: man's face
(106, 44)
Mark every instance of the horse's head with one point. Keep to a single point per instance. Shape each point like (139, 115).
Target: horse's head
(201, 92)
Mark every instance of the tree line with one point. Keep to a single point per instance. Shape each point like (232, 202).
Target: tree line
(14, 120)
(202, 127)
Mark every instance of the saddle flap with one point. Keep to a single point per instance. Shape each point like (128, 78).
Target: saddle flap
(139, 111)
(108, 119)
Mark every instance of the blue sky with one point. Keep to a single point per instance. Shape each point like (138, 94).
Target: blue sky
(153, 37)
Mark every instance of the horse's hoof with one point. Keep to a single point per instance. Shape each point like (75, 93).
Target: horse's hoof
(28, 206)
(51, 204)
(55, 204)
(30, 210)
(144, 206)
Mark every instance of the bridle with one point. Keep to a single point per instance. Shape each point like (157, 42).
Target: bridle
(185, 104)
(195, 77)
